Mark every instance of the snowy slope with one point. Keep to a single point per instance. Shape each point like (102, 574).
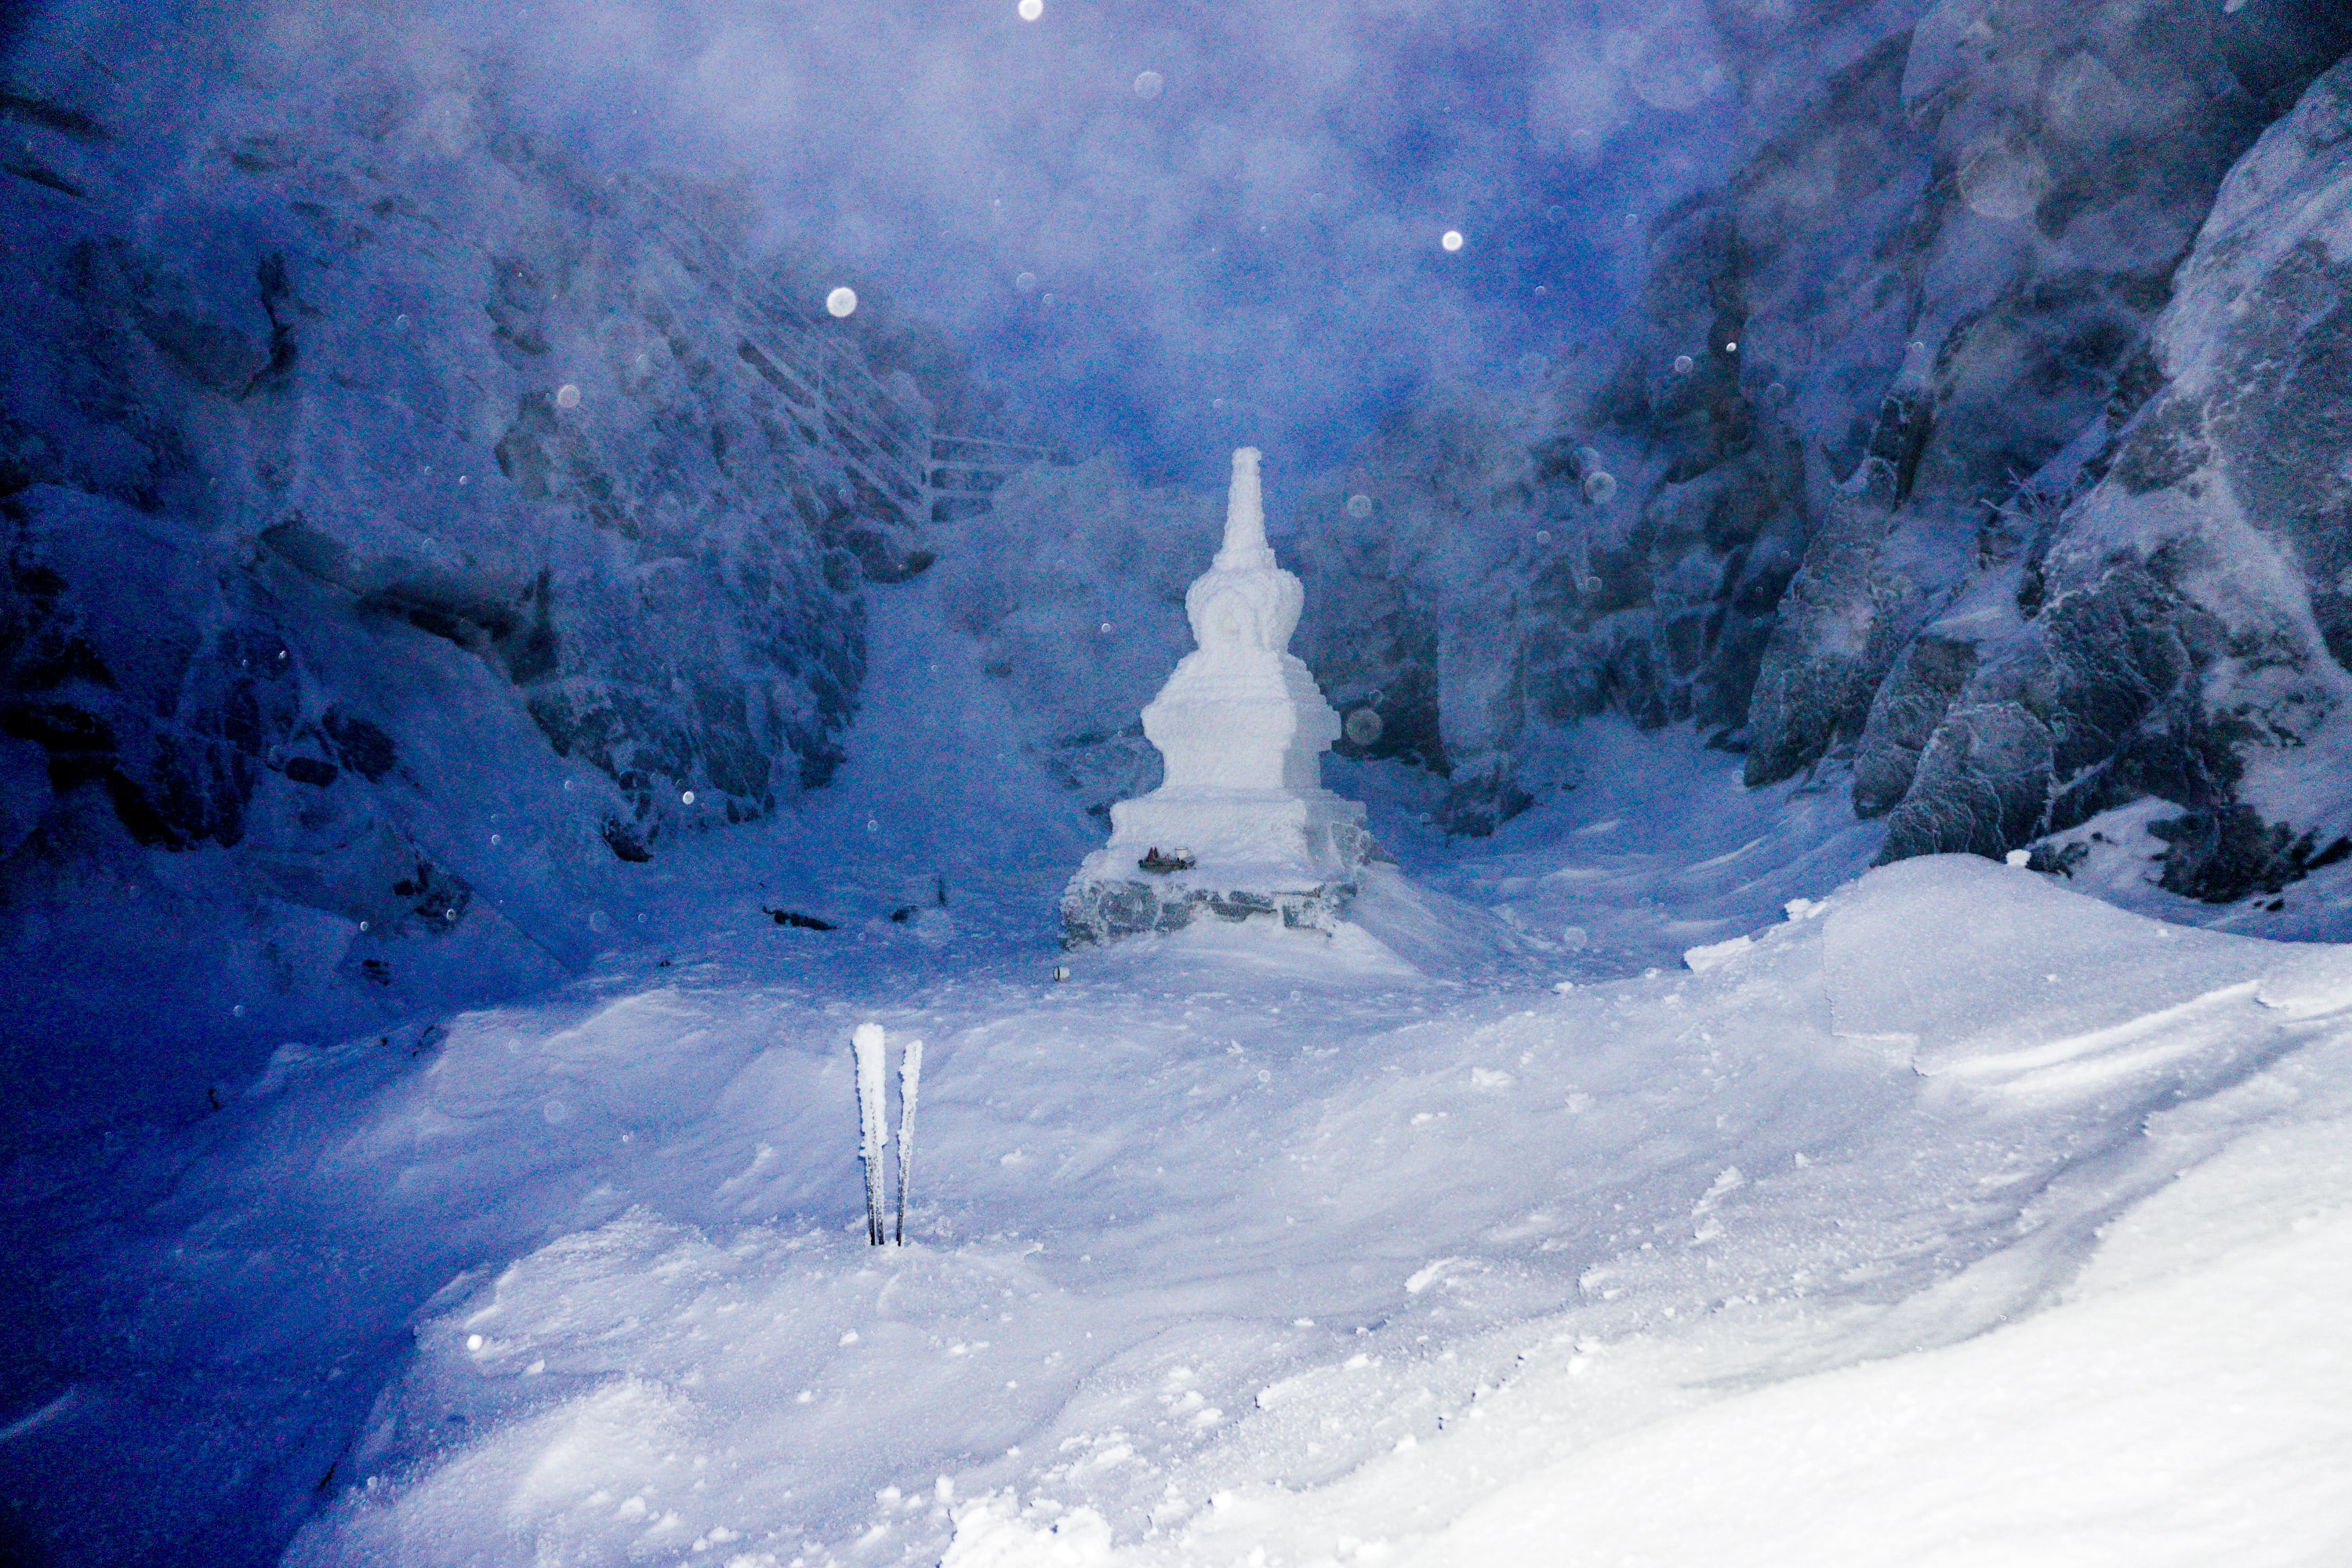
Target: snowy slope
(1269, 1250)
(1830, 1238)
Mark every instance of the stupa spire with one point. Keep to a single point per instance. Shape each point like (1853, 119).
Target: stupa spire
(1245, 548)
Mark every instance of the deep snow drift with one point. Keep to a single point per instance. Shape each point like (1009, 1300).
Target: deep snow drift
(1857, 1247)
(1949, 1217)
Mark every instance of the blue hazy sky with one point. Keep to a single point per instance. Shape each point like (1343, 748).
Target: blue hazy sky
(1245, 246)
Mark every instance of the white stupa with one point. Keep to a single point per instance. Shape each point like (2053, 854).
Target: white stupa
(1243, 825)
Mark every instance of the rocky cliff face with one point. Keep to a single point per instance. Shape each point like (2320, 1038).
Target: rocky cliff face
(405, 533)
(1969, 450)
(2183, 633)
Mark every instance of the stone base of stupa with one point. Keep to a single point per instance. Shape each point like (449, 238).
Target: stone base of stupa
(1179, 856)
(1102, 911)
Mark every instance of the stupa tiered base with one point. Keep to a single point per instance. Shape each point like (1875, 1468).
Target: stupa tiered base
(1297, 860)
(1242, 828)
(1104, 912)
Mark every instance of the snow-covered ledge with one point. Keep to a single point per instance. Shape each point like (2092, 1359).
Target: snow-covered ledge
(1243, 825)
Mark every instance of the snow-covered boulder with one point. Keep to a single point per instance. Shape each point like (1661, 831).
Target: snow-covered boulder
(1242, 825)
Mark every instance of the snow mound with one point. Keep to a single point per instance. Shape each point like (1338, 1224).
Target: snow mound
(2098, 1434)
(994, 1533)
(1427, 930)
(1960, 966)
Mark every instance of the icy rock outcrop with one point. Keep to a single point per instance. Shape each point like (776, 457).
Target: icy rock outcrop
(407, 530)
(2197, 603)
(2003, 192)
(1865, 379)
(1844, 618)
(1904, 717)
(1242, 825)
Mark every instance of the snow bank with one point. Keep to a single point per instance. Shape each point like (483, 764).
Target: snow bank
(2198, 1416)
(1232, 1256)
(2035, 960)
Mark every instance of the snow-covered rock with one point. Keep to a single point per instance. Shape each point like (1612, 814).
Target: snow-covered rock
(1815, 493)
(409, 528)
(2195, 607)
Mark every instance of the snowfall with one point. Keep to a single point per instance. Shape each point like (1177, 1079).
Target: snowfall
(1648, 1183)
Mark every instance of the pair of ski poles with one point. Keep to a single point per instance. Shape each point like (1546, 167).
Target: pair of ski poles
(874, 1123)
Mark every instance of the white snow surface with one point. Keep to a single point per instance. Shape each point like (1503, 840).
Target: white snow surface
(1932, 1215)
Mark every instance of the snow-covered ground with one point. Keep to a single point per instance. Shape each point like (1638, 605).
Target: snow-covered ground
(1942, 1215)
